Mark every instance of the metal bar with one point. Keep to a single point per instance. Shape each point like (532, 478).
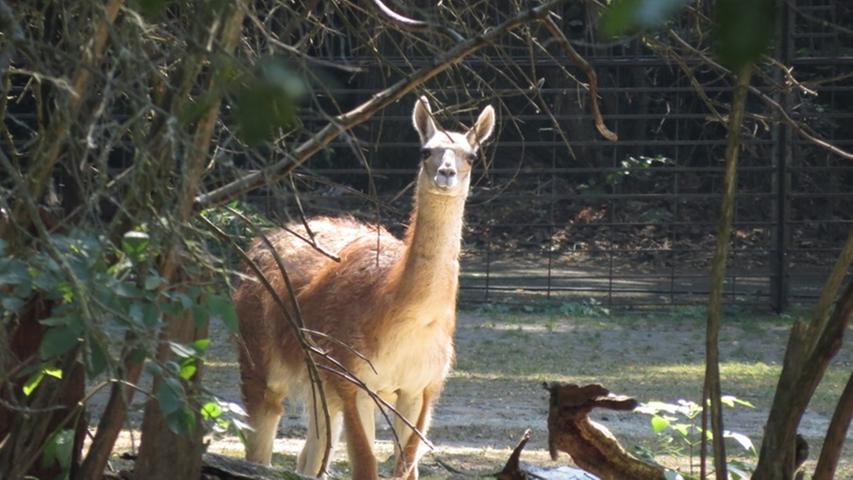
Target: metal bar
(782, 146)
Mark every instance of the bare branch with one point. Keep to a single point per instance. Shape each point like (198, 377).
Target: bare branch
(366, 110)
(410, 24)
(797, 126)
(581, 62)
(58, 130)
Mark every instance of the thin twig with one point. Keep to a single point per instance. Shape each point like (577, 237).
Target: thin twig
(581, 62)
(786, 117)
(410, 24)
(366, 110)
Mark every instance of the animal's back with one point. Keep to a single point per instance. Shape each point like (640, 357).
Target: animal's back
(266, 335)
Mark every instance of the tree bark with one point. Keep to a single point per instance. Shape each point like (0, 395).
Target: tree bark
(712, 389)
(836, 434)
(809, 352)
(591, 445)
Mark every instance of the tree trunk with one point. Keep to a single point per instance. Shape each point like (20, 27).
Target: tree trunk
(712, 389)
(163, 453)
(836, 434)
(809, 352)
(182, 458)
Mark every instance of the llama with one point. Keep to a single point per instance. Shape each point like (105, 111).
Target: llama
(392, 301)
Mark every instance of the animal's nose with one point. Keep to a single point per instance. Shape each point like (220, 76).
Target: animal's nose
(447, 171)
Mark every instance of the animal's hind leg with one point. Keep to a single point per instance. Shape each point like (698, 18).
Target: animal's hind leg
(359, 425)
(310, 459)
(263, 403)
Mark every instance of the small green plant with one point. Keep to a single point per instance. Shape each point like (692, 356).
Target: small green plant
(492, 308)
(98, 294)
(637, 168)
(590, 307)
(678, 434)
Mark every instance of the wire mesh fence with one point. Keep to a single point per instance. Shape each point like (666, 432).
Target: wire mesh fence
(557, 213)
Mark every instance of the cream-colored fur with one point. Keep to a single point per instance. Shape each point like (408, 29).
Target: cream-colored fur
(393, 301)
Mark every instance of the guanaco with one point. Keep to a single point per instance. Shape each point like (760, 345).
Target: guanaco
(392, 301)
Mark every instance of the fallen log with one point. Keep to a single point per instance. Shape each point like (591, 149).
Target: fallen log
(591, 445)
(221, 467)
(512, 470)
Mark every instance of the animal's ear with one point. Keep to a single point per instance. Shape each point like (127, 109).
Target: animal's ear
(482, 130)
(422, 119)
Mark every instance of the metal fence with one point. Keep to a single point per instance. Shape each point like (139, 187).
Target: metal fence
(630, 223)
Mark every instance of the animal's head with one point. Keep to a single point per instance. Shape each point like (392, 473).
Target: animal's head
(447, 157)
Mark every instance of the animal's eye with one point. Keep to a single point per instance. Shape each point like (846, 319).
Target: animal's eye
(472, 157)
(425, 153)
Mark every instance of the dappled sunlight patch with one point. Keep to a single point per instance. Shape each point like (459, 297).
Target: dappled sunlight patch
(220, 364)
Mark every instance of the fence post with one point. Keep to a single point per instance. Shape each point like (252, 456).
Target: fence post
(781, 153)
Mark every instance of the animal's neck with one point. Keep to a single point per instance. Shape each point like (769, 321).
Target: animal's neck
(429, 269)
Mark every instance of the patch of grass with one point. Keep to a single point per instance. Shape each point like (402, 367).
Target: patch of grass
(661, 357)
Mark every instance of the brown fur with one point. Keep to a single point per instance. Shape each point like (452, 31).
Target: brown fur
(392, 301)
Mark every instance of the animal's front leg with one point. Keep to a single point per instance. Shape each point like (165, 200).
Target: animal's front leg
(264, 406)
(417, 408)
(360, 428)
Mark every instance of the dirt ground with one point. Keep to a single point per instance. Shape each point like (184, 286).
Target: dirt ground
(495, 390)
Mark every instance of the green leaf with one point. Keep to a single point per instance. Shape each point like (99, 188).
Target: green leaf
(172, 367)
(184, 299)
(188, 369)
(57, 321)
(151, 7)
(743, 30)
(170, 396)
(266, 101)
(12, 304)
(181, 421)
(731, 401)
(682, 428)
(241, 425)
(211, 410)
(625, 16)
(740, 470)
(45, 281)
(200, 345)
(171, 308)
(135, 243)
(153, 280)
(181, 350)
(741, 439)
(200, 315)
(144, 314)
(58, 449)
(126, 290)
(58, 340)
(13, 272)
(659, 424)
(97, 359)
(33, 382)
(223, 309)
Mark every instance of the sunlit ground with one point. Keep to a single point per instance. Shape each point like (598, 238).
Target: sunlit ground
(495, 392)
